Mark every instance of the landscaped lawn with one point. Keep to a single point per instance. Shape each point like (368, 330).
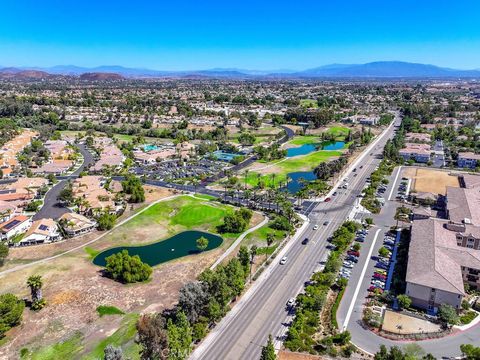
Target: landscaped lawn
(303, 140)
(259, 236)
(339, 131)
(294, 164)
(172, 216)
(307, 162)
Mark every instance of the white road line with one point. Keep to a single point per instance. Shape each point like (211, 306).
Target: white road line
(394, 183)
(359, 284)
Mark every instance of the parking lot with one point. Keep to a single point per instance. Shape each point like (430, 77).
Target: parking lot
(178, 169)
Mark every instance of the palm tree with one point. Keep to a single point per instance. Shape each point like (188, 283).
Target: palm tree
(35, 284)
(270, 240)
(246, 178)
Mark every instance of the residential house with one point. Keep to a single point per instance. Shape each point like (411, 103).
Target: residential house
(74, 224)
(14, 226)
(41, 231)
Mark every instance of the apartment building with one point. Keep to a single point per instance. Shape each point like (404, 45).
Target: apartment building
(444, 254)
(468, 160)
(419, 152)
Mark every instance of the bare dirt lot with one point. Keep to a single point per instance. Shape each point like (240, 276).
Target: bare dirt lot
(74, 288)
(402, 324)
(428, 180)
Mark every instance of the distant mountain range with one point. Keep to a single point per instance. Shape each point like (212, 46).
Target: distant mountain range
(379, 69)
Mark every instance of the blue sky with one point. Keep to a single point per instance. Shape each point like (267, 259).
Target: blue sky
(262, 34)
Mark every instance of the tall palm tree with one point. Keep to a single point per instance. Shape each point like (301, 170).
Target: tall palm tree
(35, 284)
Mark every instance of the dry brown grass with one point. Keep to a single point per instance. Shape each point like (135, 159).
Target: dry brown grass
(433, 181)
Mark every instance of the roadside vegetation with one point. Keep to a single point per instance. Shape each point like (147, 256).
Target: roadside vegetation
(303, 334)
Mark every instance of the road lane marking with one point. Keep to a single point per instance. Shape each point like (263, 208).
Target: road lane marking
(394, 183)
(359, 284)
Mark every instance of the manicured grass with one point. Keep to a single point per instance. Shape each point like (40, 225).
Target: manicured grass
(170, 217)
(309, 103)
(67, 349)
(298, 163)
(303, 140)
(261, 234)
(103, 310)
(267, 250)
(339, 131)
(91, 252)
(307, 162)
(197, 214)
(124, 337)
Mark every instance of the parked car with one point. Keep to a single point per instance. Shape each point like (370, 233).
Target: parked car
(348, 264)
(381, 266)
(354, 253)
(379, 276)
(383, 272)
(360, 239)
(379, 283)
(352, 258)
(283, 261)
(291, 302)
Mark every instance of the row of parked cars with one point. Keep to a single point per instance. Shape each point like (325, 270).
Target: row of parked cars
(380, 274)
(402, 190)
(352, 255)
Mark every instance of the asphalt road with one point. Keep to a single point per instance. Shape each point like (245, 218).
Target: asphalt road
(52, 208)
(262, 311)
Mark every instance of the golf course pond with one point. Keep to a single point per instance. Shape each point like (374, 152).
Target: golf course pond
(177, 246)
(309, 148)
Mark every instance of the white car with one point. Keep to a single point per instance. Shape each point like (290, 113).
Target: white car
(291, 302)
(283, 261)
(348, 264)
(315, 227)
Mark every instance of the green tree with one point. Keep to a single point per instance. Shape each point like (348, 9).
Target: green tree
(106, 221)
(11, 310)
(268, 351)
(448, 314)
(244, 256)
(132, 185)
(179, 335)
(202, 243)
(404, 301)
(470, 352)
(4, 249)
(127, 269)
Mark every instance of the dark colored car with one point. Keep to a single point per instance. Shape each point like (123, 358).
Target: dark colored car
(379, 276)
(327, 199)
(305, 241)
(353, 252)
